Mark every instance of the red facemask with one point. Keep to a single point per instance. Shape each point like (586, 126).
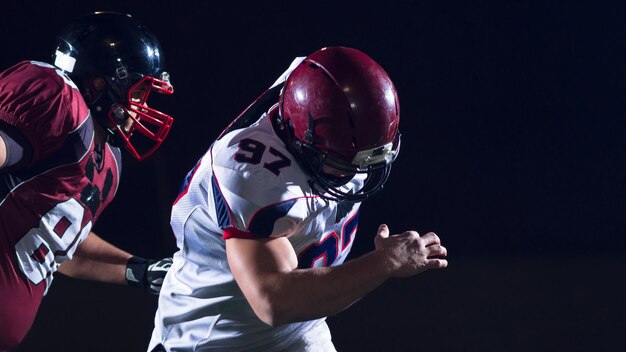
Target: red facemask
(144, 128)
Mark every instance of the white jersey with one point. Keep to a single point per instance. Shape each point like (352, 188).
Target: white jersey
(247, 185)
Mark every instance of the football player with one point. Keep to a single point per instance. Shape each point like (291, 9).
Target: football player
(266, 218)
(61, 127)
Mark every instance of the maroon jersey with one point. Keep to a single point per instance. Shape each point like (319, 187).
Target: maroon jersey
(50, 200)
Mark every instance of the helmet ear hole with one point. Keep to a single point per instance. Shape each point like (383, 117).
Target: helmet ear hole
(92, 88)
(99, 84)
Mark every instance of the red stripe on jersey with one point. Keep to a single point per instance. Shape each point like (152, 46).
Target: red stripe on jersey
(231, 232)
(62, 226)
(40, 253)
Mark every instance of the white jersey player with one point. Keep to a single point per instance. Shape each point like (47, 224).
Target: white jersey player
(270, 212)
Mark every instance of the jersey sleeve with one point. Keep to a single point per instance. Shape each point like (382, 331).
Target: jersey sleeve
(41, 104)
(253, 206)
(251, 199)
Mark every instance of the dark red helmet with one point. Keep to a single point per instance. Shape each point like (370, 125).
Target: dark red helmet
(342, 113)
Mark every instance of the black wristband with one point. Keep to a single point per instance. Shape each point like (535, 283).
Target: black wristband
(136, 270)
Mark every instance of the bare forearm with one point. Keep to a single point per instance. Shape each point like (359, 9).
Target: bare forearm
(98, 260)
(306, 294)
(266, 271)
(88, 269)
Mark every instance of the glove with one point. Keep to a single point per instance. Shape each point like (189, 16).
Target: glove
(147, 273)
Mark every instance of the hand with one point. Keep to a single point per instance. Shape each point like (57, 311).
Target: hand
(147, 274)
(410, 254)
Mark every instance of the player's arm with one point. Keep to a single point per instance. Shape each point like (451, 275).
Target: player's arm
(12, 150)
(3, 152)
(97, 260)
(266, 271)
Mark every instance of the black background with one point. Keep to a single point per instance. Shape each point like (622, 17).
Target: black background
(513, 124)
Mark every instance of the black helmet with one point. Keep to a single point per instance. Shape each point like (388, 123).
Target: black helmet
(116, 62)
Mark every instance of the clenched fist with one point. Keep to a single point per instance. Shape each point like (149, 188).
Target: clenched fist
(409, 253)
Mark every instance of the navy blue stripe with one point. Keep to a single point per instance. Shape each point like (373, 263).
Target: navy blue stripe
(187, 180)
(221, 209)
(72, 151)
(74, 148)
(262, 223)
(347, 230)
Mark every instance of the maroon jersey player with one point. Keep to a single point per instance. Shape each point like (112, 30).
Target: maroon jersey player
(61, 127)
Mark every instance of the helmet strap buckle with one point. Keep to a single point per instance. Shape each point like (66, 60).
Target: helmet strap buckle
(119, 113)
